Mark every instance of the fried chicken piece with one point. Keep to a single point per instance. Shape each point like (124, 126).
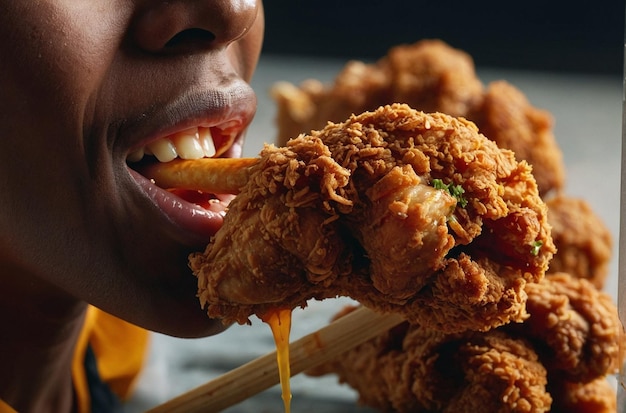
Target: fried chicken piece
(358, 87)
(506, 117)
(597, 396)
(429, 76)
(584, 243)
(433, 77)
(557, 360)
(415, 369)
(353, 210)
(575, 325)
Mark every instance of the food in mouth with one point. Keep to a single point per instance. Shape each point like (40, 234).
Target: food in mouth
(195, 143)
(218, 175)
(401, 210)
(192, 143)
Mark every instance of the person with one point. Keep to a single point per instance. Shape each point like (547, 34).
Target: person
(92, 254)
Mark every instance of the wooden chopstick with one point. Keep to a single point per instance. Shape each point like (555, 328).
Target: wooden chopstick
(211, 175)
(260, 374)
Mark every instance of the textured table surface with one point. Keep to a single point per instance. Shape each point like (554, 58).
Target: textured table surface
(588, 122)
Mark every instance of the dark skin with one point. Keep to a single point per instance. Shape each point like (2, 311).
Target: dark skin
(84, 85)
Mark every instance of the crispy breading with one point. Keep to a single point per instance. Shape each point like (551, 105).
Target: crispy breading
(433, 77)
(597, 396)
(404, 211)
(429, 76)
(419, 370)
(506, 117)
(583, 241)
(557, 360)
(577, 326)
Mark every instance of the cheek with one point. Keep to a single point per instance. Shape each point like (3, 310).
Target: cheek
(58, 53)
(246, 51)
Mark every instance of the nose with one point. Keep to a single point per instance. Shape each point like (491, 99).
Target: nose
(191, 25)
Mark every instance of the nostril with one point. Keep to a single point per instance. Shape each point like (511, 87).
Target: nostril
(191, 38)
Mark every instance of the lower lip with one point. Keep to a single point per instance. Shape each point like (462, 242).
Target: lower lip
(195, 224)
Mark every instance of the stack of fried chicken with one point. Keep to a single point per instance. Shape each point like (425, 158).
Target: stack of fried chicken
(447, 209)
(432, 77)
(558, 358)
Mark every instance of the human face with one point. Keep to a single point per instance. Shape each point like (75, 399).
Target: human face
(85, 84)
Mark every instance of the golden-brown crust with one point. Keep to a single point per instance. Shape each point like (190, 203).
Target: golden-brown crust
(577, 326)
(568, 343)
(597, 396)
(209, 175)
(429, 76)
(413, 369)
(311, 223)
(433, 77)
(583, 241)
(557, 360)
(506, 117)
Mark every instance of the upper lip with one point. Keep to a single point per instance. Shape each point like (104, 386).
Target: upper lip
(234, 104)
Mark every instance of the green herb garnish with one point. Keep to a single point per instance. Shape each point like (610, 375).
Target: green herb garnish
(536, 246)
(456, 191)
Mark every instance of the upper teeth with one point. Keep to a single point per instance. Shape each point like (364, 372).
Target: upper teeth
(192, 143)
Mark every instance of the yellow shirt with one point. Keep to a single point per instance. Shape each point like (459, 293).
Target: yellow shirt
(5, 408)
(120, 350)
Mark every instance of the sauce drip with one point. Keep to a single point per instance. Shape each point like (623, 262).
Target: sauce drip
(279, 321)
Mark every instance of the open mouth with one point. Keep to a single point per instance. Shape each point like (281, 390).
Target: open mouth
(193, 143)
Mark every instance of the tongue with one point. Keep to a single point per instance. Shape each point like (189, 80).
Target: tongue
(196, 197)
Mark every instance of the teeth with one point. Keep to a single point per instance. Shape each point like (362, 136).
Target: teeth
(206, 140)
(187, 144)
(163, 149)
(192, 143)
(137, 155)
(227, 137)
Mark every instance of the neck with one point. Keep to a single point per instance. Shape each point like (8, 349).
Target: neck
(40, 326)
